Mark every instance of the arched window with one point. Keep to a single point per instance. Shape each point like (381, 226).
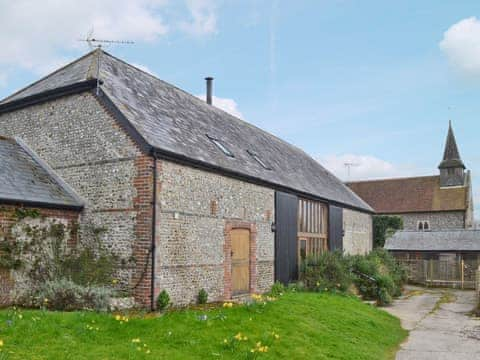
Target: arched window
(426, 225)
(420, 225)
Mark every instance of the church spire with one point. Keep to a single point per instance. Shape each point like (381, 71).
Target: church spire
(451, 156)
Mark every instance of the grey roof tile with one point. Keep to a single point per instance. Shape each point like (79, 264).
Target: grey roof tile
(24, 179)
(175, 121)
(448, 240)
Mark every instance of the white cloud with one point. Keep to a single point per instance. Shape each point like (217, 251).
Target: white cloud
(145, 68)
(228, 105)
(461, 44)
(41, 35)
(203, 17)
(366, 167)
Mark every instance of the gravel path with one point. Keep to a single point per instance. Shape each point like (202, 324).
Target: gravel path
(440, 324)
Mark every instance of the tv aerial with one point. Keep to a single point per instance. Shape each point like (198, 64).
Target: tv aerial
(98, 43)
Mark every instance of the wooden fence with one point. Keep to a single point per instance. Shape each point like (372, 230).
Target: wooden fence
(460, 274)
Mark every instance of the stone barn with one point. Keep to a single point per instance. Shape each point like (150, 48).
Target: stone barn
(196, 197)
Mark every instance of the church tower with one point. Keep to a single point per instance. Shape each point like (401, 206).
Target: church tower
(452, 169)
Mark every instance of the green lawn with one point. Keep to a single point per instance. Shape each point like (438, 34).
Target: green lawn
(297, 326)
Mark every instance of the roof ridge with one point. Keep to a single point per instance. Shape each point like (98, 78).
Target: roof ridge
(392, 179)
(50, 172)
(5, 100)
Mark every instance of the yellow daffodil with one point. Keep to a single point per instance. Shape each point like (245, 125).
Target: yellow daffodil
(1, 343)
(118, 317)
(147, 352)
(238, 336)
(114, 281)
(225, 341)
(135, 340)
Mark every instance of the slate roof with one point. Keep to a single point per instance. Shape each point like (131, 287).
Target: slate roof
(175, 122)
(449, 240)
(26, 179)
(415, 194)
(451, 155)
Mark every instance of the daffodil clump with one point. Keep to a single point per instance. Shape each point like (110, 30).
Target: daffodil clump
(240, 343)
(228, 305)
(92, 326)
(121, 319)
(138, 346)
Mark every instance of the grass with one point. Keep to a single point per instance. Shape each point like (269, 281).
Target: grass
(297, 326)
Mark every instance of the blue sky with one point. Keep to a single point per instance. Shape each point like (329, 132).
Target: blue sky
(369, 82)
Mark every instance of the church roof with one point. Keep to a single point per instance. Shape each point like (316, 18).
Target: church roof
(451, 155)
(26, 179)
(177, 125)
(444, 240)
(414, 194)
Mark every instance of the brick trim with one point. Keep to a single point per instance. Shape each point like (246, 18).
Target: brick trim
(227, 248)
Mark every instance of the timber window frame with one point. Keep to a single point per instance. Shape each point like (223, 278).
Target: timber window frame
(312, 224)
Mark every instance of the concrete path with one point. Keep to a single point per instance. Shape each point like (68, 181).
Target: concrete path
(440, 324)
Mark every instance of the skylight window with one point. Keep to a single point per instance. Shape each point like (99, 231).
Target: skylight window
(221, 146)
(257, 159)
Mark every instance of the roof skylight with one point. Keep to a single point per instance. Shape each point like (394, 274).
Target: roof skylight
(257, 159)
(221, 146)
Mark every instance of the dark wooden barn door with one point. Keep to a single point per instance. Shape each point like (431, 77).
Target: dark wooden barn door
(286, 214)
(335, 228)
(240, 261)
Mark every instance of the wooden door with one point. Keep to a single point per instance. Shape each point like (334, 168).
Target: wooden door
(240, 261)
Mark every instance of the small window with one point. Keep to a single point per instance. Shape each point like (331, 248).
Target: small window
(423, 225)
(257, 159)
(221, 146)
(426, 225)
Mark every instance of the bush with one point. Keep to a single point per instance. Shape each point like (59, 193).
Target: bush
(378, 276)
(277, 289)
(329, 272)
(202, 297)
(163, 300)
(65, 295)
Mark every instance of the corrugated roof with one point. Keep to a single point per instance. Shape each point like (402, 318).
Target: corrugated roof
(415, 194)
(174, 121)
(448, 240)
(25, 179)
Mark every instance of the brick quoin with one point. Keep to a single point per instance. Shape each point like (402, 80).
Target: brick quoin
(9, 219)
(229, 226)
(143, 204)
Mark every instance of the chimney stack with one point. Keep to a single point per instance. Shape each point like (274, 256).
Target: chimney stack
(209, 89)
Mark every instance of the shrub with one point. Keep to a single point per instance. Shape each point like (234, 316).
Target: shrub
(329, 271)
(277, 289)
(378, 276)
(163, 300)
(202, 297)
(65, 295)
